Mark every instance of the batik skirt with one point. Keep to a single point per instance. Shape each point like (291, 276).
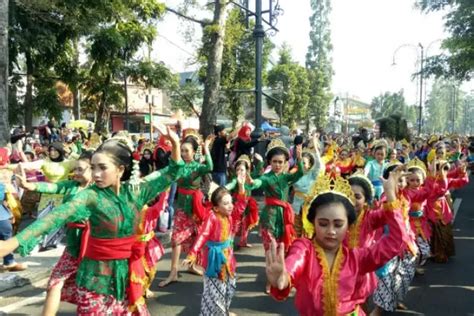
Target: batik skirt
(217, 296)
(442, 242)
(65, 271)
(185, 231)
(394, 285)
(424, 252)
(92, 304)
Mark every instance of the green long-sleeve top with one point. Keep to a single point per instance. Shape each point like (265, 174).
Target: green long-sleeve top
(277, 186)
(190, 178)
(69, 189)
(110, 216)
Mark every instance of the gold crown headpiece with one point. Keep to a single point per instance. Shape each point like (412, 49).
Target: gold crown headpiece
(328, 184)
(276, 143)
(393, 163)
(404, 142)
(380, 142)
(191, 132)
(417, 163)
(94, 141)
(363, 177)
(433, 139)
(244, 158)
(148, 146)
(345, 148)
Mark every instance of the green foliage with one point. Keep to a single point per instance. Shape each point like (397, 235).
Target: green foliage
(112, 31)
(292, 86)
(459, 22)
(319, 63)
(445, 108)
(238, 64)
(389, 103)
(394, 126)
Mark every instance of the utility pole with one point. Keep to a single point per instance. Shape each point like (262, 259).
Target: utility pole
(259, 35)
(420, 114)
(273, 12)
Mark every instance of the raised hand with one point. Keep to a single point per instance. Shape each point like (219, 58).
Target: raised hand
(275, 266)
(299, 150)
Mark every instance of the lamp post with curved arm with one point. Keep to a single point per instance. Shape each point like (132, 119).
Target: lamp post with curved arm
(422, 60)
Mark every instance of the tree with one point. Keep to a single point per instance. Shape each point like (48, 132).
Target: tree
(290, 80)
(459, 22)
(445, 108)
(394, 126)
(238, 64)
(215, 30)
(389, 103)
(4, 126)
(318, 63)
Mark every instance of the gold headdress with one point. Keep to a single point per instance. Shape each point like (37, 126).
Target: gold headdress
(337, 185)
(363, 177)
(433, 139)
(149, 147)
(245, 159)
(276, 143)
(123, 138)
(191, 132)
(393, 163)
(404, 142)
(417, 163)
(380, 142)
(324, 184)
(94, 141)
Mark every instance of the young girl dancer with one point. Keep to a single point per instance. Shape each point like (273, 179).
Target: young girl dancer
(324, 271)
(190, 210)
(61, 285)
(249, 218)
(217, 233)
(105, 282)
(374, 168)
(441, 216)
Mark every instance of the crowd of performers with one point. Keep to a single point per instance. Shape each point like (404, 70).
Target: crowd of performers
(343, 221)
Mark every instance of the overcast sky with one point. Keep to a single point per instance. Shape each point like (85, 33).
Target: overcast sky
(365, 35)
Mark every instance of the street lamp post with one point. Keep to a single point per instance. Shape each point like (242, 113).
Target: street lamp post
(422, 60)
(273, 11)
(420, 113)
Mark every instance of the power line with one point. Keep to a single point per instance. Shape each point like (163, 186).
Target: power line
(176, 45)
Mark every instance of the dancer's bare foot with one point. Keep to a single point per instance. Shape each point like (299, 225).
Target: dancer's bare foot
(149, 294)
(232, 314)
(196, 270)
(172, 278)
(402, 307)
(267, 288)
(245, 245)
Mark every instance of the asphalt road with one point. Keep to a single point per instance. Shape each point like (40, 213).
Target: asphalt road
(445, 289)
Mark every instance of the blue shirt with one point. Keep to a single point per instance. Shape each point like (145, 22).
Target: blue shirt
(4, 212)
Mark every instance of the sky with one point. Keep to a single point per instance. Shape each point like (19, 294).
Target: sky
(365, 36)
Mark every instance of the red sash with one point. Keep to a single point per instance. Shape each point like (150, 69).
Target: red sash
(253, 213)
(288, 219)
(86, 230)
(199, 209)
(122, 248)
